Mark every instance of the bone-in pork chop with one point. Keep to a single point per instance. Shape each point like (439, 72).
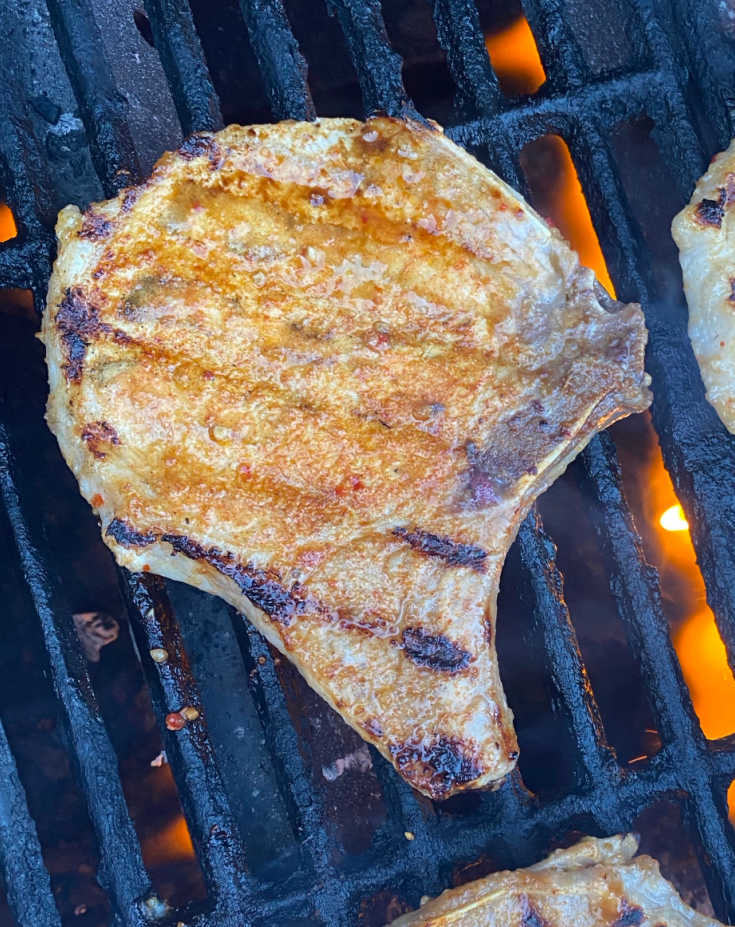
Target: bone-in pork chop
(595, 883)
(322, 370)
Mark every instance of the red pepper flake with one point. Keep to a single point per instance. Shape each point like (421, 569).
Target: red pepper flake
(208, 375)
(97, 500)
(146, 568)
(722, 344)
(351, 483)
(175, 721)
(245, 471)
(502, 206)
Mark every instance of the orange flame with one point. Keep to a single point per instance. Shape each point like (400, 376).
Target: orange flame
(673, 519)
(697, 641)
(170, 842)
(515, 58)
(8, 228)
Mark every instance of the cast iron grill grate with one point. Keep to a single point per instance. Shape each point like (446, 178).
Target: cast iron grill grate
(581, 106)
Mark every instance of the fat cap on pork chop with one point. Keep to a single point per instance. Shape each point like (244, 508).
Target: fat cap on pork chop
(595, 883)
(322, 370)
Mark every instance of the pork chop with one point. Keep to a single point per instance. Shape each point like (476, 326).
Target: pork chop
(705, 234)
(322, 370)
(595, 883)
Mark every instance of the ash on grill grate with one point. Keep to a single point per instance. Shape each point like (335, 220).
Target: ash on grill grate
(73, 134)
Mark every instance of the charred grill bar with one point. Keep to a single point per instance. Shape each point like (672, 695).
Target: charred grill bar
(580, 106)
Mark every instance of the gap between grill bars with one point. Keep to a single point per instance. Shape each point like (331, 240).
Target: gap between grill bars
(581, 107)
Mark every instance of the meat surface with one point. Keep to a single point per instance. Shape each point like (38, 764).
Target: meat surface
(595, 883)
(322, 370)
(705, 234)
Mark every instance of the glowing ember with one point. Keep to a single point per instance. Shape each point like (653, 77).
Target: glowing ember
(8, 228)
(515, 58)
(673, 519)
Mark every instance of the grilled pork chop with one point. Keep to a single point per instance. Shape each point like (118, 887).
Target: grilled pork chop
(705, 234)
(322, 370)
(595, 883)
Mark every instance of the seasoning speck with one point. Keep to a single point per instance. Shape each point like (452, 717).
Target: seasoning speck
(409, 835)
(159, 655)
(175, 721)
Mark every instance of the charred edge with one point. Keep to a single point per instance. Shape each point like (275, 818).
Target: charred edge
(374, 727)
(434, 651)
(130, 198)
(710, 212)
(95, 227)
(124, 533)
(729, 189)
(262, 587)
(79, 322)
(451, 552)
(437, 766)
(198, 146)
(731, 297)
(630, 915)
(97, 433)
(530, 917)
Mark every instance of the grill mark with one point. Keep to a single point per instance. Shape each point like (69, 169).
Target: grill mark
(97, 433)
(434, 651)
(436, 766)
(197, 146)
(451, 552)
(263, 587)
(130, 198)
(126, 535)
(710, 212)
(78, 322)
(630, 915)
(530, 917)
(95, 227)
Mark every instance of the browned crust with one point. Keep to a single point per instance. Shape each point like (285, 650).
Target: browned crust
(259, 354)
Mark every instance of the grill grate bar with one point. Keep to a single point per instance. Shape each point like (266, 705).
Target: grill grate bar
(377, 66)
(553, 625)
(183, 63)
(282, 66)
(642, 612)
(304, 805)
(559, 50)
(22, 265)
(102, 108)
(121, 870)
(639, 603)
(27, 881)
(459, 33)
(189, 751)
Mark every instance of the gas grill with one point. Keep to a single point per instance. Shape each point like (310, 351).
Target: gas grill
(277, 842)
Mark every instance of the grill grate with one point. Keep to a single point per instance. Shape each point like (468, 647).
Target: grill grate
(697, 451)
